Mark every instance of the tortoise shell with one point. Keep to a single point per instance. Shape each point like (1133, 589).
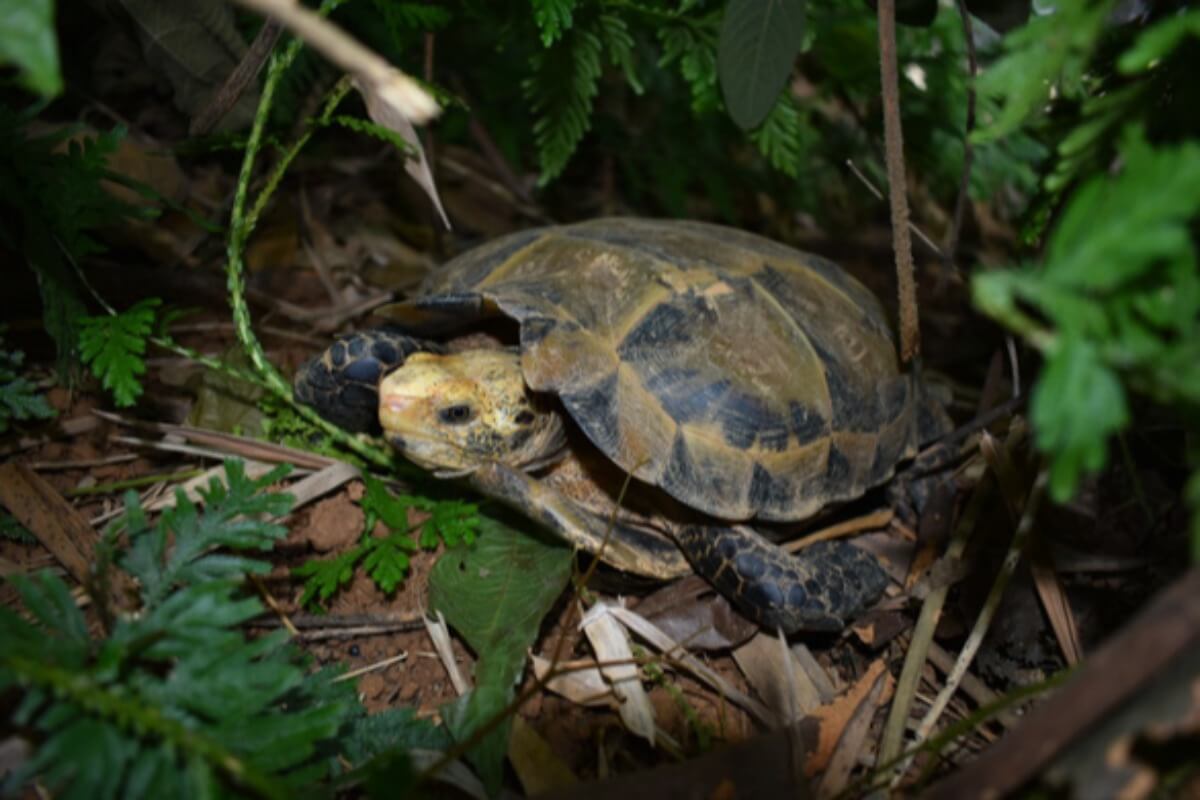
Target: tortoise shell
(743, 377)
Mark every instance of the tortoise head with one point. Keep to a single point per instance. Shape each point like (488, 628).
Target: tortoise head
(452, 413)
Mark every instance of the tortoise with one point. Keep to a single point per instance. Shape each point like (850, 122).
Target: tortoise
(744, 385)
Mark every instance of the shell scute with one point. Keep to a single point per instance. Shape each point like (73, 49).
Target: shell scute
(743, 377)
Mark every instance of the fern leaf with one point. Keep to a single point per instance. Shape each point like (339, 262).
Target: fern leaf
(561, 92)
(19, 399)
(553, 18)
(781, 137)
(697, 58)
(113, 345)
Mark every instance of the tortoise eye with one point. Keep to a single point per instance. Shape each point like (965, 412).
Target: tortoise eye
(524, 418)
(455, 415)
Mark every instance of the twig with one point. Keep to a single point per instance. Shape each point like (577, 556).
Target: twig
(1128, 663)
(235, 84)
(960, 204)
(984, 621)
(83, 463)
(866, 522)
(375, 73)
(873, 189)
(931, 609)
(378, 665)
(240, 226)
(893, 136)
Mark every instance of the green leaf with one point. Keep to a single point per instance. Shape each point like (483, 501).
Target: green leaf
(1077, 404)
(759, 43)
(454, 522)
(19, 399)
(236, 514)
(323, 577)
(553, 17)
(113, 345)
(1049, 54)
(386, 561)
(393, 729)
(495, 595)
(1105, 240)
(1157, 42)
(380, 505)
(696, 53)
(28, 40)
(783, 138)
(561, 90)
(175, 701)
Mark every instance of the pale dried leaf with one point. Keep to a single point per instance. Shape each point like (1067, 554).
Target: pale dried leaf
(322, 483)
(583, 686)
(785, 687)
(611, 644)
(386, 105)
(439, 633)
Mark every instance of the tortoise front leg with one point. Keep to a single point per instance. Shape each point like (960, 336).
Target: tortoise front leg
(342, 383)
(622, 545)
(818, 589)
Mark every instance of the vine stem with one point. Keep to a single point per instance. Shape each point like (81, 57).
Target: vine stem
(910, 335)
(241, 225)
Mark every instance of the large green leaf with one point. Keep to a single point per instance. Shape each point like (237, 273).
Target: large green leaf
(759, 41)
(27, 39)
(495, 595)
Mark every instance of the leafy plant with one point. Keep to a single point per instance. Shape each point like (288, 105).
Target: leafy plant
(19, 399)
(758, 47)
(1114, 304)
(112, 345)
(1119, 293)
(172, 701)
(52, 200)
(27, 40)
(495, 596)
(385, 558)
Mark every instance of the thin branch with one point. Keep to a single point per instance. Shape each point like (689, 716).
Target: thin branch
(910, 336)
(371, 70)
(235, 84)
(960, 204)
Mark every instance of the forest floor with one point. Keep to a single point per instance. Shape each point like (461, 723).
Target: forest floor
(323, 258)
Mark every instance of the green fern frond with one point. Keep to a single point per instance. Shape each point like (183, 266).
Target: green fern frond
(386, 558)
(553, 18)
(174, 701)
(781, 137)
(696, 54)
(561, 91)
(19, 399)
(112, 345)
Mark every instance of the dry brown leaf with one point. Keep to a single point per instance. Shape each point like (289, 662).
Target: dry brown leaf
(41, 509)
(850, 743)
(537, 766)
(834, 717)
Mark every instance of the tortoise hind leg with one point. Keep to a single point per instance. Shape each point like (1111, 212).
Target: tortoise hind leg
(342, 383)
(817, 589)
